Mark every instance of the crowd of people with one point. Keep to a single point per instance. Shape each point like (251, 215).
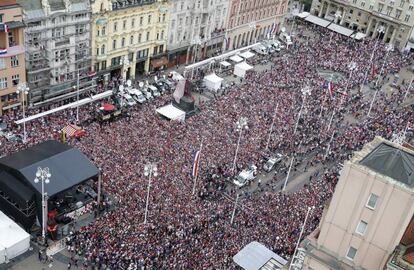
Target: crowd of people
(186, 231)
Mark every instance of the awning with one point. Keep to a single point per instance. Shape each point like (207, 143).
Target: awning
(241, 68)
(155, 63)
(225, 64)
(247, 54)
(340, 29)
(236, 58)
(213, 82)
(318, 21)
(303, 15)
(358, 36)
(255, 255)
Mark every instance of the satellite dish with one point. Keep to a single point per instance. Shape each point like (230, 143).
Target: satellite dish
(121, 88)
(155, 78)
(283, 29)
(129, 83)
(141, 84)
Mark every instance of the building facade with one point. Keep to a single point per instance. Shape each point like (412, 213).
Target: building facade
(395, 17)
(251, 20)
(57, 42)
(196, 29)
(12, 60)
(129, 37)
(370, 213)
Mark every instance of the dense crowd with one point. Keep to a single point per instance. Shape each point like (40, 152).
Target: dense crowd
(194, 232)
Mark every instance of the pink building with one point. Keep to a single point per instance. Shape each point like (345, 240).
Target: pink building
(250, 20)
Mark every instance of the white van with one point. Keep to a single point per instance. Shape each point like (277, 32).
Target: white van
(285, 38)
(260, 49)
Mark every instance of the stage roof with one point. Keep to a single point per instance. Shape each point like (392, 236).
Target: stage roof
(67, 165)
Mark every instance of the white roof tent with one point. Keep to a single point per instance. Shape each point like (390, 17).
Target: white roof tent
(241, 68)
(14, 241)
(67, 106)
(213, 82)
(225, 64)
(256, 256)
(358, 36)
(247, 54)
(171, 112)
(236, 59)
(316, 20)
(303, 15)
(340, 29)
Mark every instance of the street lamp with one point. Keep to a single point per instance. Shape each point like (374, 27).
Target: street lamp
(240, 125)
(23, 90)
(149, 170)
(389, 48)
(43, 176)
(306, 91)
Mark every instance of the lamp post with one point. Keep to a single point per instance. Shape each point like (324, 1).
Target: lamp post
(389, 49)
(23, 90)
(149, 170)
(43, 176)
(380, 30)
(300, 235)
(306, 91)
(240, 125)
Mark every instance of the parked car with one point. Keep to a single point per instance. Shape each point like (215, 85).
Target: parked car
(272, 162)
(285, 38)
(260, 49)
(154, 90)
(245, 176)
(138, 96)
(129, 100)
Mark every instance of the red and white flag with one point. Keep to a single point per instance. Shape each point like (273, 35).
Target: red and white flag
(196, 162)
(330, 89)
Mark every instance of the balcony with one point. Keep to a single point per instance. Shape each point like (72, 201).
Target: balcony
(12, 51)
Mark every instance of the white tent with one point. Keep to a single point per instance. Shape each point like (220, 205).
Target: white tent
(213, 82)
(225, 63)
(241, 68)
(236, 58)
(171, 112)
(256, 256)
(247, 54)
(340, 29)
(14, 241)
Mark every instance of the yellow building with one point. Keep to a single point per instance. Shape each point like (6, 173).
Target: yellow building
(129, 37)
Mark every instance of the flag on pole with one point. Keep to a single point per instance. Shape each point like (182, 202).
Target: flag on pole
(196, 162)
(330, 89)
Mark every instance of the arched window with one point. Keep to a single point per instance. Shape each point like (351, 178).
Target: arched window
(103, 49)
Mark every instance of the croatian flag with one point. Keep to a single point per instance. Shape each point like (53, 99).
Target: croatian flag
(196, 162)
(3, 51)
(330, 89)
(6, 28)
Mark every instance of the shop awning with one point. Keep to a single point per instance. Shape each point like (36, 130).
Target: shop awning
(340, 29)
(318, 21)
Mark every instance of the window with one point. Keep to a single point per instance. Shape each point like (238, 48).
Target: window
(103, 49)
(148, 36)
(402, 3)
(372, 201)
(132, 22)
(103, 30)
(139, 37)
(163, 17)
(162, 34)
(2, 63)
(1, 17)
(155, 50)
(398, 14)
(380, 7)
(410, 8)
(389, 10)
(3, 83)
(12, 41)
(15, 79)
(141, 20)
(114, 44)
(115, 26)
(351, 253)
(98, 32)
(122, 42)
(14, 61)
(407, 18)
(131, 39)
(362, 4)
(97, 51)
(362, 227)
(149, 19)
(124, 24)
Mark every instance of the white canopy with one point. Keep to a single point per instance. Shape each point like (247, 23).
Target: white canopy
(225, 63)
(14, 241)
(247, 54)
(317, 20)
(236, 58)
(241, 68)
(255, 256)
(213, 82)
(340, 29)
(358, 36)
(171, 112)
(303, 15)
